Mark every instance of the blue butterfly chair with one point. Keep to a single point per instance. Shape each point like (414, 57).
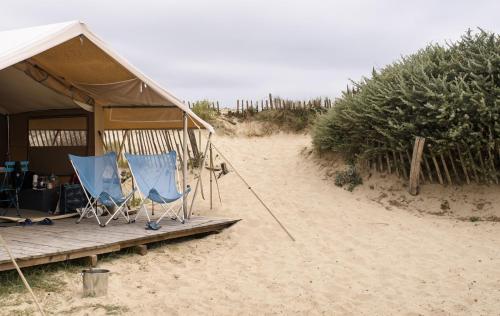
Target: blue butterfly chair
(100, 180)
(156, 179)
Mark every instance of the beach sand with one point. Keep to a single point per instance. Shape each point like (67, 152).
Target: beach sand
(354, 254)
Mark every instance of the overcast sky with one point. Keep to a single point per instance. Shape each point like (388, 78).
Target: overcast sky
(230, 49)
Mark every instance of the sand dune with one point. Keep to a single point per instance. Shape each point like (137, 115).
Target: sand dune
(353, 254)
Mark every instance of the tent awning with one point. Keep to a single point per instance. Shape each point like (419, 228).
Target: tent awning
(144, 117)
(65, 65)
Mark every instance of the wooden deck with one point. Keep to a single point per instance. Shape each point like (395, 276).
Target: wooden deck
(66, 240)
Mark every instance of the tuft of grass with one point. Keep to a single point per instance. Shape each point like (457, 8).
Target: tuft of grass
(349, 177)
(205, 111)
(474, 219)
(293, 120)
(112, 309)
(109, 309)
(24, 312)
(43, 277)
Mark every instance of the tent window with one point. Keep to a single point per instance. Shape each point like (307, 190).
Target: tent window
(57, 138)
(58, 132)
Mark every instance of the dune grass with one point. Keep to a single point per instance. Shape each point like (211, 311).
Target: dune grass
(288, 120)
(204, 110)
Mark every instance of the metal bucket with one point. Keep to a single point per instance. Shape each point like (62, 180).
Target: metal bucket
(95, 282)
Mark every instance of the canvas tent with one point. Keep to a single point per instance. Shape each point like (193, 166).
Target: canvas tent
(64, 75)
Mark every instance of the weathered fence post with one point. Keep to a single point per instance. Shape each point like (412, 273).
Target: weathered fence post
(416, 160)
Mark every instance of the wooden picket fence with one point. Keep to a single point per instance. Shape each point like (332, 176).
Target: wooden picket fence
(247, 106)
(422, 164)
(48, 138)
(276, 103)
(148, 142)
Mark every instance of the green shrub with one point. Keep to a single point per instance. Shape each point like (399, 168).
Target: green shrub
(204, 110)
(349, 177)
(448, 94)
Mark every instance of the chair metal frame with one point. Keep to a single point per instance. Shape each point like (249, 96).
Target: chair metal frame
(174, 215)
(92, 203)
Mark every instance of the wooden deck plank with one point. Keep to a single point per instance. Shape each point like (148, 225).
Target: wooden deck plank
(65, 240)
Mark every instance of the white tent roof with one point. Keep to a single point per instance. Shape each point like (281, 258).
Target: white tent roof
(77, 60)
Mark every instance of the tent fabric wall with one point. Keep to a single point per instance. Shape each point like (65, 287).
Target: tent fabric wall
(3, 138)
(54, 83)
(129, 92)
(48, 160)
(19, 125)
(121, 118)
(80, 60)
(19, 93)
(70, 52)
(68, 123)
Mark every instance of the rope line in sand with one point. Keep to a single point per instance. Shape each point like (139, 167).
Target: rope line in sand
(254, 193)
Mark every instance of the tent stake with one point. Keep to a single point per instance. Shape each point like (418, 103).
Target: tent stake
(255, 194)
(26, 284)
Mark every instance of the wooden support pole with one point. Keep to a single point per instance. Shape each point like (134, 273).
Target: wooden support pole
(170, 143)
(483, 168)
(211, 174)
(492, 162)
(445, 166)
(422, 178)
(416, 160)
(428, 168)
(202, 165)
(405, 173)
(473, 164)
(155, 144)
(396, 164)
(99, 133)
(438, 171)
(98, 130)
(160, 141)
(26, 284)
(389, 170)
(141, 249)
(464, 168)
(122, 145)
(138, 135)
(184, 163)
(92, 259)
(455, 172)
(381, 165)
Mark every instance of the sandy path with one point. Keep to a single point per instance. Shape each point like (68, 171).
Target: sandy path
(352, 256)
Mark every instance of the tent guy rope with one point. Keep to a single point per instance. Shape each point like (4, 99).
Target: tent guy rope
(255, 194)
(2, 241)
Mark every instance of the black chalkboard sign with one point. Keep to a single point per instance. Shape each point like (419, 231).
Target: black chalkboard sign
(72, 197)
